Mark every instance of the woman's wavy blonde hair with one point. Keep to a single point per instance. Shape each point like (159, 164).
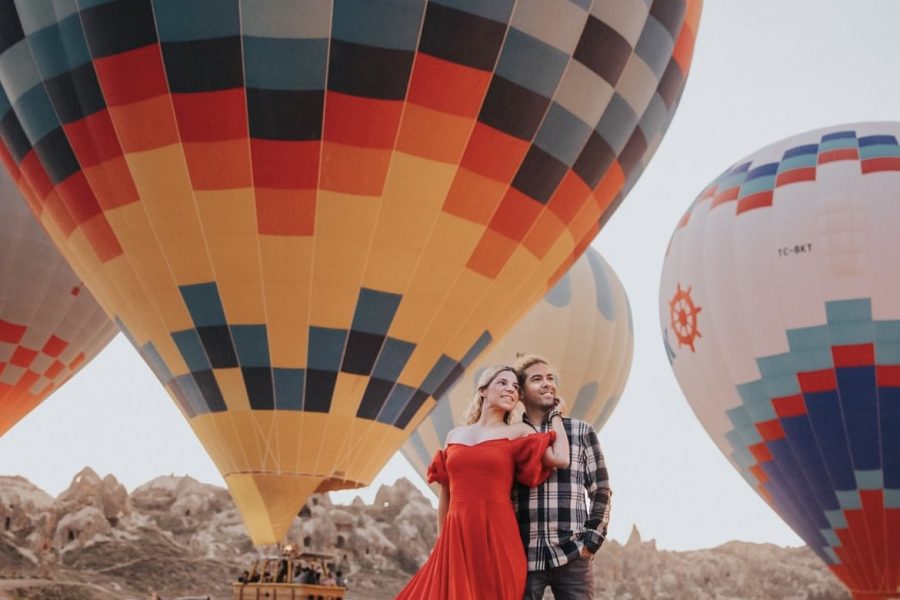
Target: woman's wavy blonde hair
(473, 412)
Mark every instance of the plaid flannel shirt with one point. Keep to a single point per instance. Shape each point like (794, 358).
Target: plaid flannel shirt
(554, 521)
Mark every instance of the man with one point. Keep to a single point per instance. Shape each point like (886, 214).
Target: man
(560, 532)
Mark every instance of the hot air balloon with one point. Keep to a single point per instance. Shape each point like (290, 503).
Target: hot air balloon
(311, 217)
(582, 326)
(50, 326)
(780, 310)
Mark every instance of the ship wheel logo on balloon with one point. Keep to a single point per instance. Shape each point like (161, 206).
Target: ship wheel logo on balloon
(683, 317)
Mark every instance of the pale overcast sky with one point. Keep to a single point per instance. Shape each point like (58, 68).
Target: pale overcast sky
(762, 70)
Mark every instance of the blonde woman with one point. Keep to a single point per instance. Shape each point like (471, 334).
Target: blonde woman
(478, 553)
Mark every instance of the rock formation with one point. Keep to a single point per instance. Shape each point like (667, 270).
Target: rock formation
(734, 570)
(20, 501)
(180, 537)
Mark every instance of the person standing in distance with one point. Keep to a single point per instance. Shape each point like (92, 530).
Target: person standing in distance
(560, 532)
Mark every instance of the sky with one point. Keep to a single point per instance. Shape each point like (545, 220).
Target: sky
(763, 70)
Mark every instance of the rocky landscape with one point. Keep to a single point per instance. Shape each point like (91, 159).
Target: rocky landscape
(181, 538)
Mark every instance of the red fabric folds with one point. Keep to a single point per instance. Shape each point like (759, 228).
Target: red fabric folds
(437, 470)
(528, 455)
(479, 554)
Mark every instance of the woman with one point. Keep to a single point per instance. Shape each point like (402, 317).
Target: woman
(478, 553)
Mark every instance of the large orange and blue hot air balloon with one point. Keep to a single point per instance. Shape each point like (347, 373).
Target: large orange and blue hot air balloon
(582, 327)
(310, 217)
(780, 308)
(50, 325)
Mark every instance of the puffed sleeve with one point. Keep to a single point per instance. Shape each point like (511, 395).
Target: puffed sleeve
(528, 456)
(437, 470)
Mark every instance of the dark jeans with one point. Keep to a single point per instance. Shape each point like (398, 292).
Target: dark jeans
(572, 581)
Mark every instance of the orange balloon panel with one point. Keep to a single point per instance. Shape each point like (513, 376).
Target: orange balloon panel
(582, 327)
(311, 217)
(50, 325)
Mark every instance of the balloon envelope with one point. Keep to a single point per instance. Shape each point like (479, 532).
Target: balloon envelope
(50, 325)
(311, 217)
(582, 327)
(780, 309)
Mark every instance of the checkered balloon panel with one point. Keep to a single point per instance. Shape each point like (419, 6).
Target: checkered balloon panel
(311, 217)
(50, 325)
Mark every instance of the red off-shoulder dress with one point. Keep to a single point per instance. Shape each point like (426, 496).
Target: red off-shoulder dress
(479, 553)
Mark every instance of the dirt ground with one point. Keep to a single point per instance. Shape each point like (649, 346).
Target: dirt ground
(364, 586)
(40, 589)
(368, 586)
